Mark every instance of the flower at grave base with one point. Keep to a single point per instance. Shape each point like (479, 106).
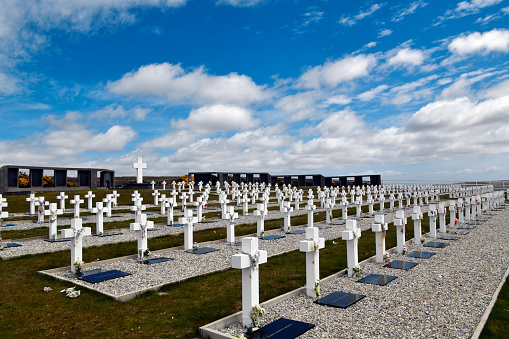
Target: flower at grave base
(317, 288)
(256, 313)
(195, 246)
(387, 257)
(357, 269)
(404, 250)
(78, 266)
(455, 220)
(47, 289)
(1, 248)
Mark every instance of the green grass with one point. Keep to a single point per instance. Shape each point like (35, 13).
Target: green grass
(497, 325)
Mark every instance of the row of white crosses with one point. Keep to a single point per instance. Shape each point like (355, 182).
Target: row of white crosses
(3, 203)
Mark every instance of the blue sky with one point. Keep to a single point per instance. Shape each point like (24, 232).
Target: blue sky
(410, 90)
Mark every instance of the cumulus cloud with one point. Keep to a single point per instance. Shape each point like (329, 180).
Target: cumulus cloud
(407, 57)
(174, 84)
(333, 73)
(115, 111)
(372, 93)
(216, 118)
(496, 40)
(350, 21)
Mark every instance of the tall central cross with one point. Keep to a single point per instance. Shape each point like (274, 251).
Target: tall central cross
(139, 166)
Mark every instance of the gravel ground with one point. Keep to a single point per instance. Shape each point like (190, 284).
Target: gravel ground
(442, 297)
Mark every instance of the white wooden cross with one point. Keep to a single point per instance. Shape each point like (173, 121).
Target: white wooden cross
(358, 205)
(382, 202)
(32, 199)
(467, 208)
(328, 211)
(379, 227)
(162, 203)
(76, 202)
(141, 225)
(62, 198)
(452, 213)
(156, 195)
(344, 207)
(248, 261)
(260, 214)
(90, 196)
(99, 211)
(432, 214)
(52, 212)
(40, 211)
(3, 203)
(108, 200)
(312, 246)
(139, 166)
(153, 183)
(138, 208)
(224, 202)
(441, 217)
(310, 207)
(400, 222)
(287, 211)
(188, 220)
(170, 204)
(164, 185)
(199, 208)
(183, 199)
(417, 217)
(115, 195)
(245, 203)
(351, 234)
(76, 233)
(230, 228)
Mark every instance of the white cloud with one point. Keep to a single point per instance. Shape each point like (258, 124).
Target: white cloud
(338, 100)
(115, 111)
(174, 84)
(8, 84)
(239, 3)
(496, 40)
(487, 19)
(412, 8)
(332, 73)
(461, 87)
(350, 21)
(217, 118)
(407, 57)
(174, 139)
(465, 8)
(384, 32)
(498, 90)
(372, 93)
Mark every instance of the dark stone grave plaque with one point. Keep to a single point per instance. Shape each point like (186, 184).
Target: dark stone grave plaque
(338, 223)
(115, 216)
(490, 214)
(103, 276)
(58, 240)
(297, 232)
(377, 279)
(419, 254)
(272, 237)
(323, 227)
(177, 225)
(84, 219)
(459, 232)
(9, 225)
(448, 237)
(109, 234)
(340, 299)
(12, 244)
(401, 265)
(436, 244)
(202, 250)
(156, 260)
(466, 228)
(206, 222)
(281, 329)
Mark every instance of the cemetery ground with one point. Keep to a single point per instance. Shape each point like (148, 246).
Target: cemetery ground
(178, 309)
